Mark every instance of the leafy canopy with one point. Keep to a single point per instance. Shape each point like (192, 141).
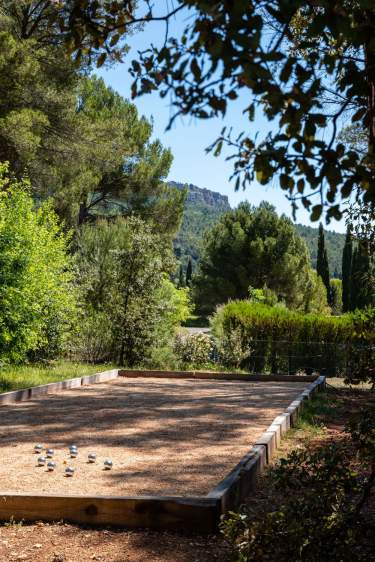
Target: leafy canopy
(303, 65)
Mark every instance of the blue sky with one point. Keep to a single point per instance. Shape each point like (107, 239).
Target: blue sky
(189, 138)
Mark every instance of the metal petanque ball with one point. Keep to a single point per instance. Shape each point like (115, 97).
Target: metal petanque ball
(41, 461)
(73, 452)
(38, 449)
(108, 464)
(50, 453)
(91, 457)
(51, 465)
(69, 471)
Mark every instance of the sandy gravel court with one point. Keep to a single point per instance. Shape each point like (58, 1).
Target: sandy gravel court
(164, 436)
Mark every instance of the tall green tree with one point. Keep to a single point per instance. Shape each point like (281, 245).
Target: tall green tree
(189, 272)
(79, 141)
(130, 306)
(254, 246)
(362, 293)
(181, 277)
(322, 266)
(347, 257)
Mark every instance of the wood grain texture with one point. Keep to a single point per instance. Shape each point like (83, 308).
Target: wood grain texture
(169, 513)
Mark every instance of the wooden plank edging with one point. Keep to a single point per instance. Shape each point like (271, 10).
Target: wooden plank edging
(237, 485)
(159, 513)
(136, 373)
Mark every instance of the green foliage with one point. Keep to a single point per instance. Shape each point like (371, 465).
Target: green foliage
(347, 258)
(77, 139)
(13, 377)
(193, 350)
(361, 360)
(317, 503)
(336, 293)
(253, 246)
(278, 340)
(322, 267)
(123, 266)
(314, 524)
(189, 272)
(264, 296)
(37, 298)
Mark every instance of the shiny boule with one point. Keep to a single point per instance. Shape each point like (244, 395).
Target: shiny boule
(41, 461)
(73, 451)
(38, 448)
(50, 453)
(91, 457)
(51, 465)
(108, 464)
(69, 471)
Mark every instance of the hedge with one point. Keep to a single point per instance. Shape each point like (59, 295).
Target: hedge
(278, 340)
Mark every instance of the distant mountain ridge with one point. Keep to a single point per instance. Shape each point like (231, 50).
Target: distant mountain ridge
(203, 196)
(203, 208)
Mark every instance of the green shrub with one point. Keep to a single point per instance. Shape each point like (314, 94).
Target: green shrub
(194, 350)
(37, 300)
(317, 498)
(279, 340)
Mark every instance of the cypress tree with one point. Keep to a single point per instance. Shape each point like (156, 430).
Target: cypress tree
(322, 267)
(189, 272)
(347, 258)
(361, 294)
(181, 278)
(354, 282)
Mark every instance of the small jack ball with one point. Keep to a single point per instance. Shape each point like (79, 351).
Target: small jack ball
(41, 461)
(91, 457)
(38, 448)
(50, 453)
(108, 464)
(51, 465)
(69, 471)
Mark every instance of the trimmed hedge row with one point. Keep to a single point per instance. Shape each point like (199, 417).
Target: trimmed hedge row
(278, 340)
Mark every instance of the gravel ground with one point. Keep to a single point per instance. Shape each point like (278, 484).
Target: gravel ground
(165, 436)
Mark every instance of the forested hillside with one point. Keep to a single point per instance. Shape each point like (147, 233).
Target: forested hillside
(203, 208)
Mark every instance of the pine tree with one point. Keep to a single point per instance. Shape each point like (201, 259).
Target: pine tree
(347, 258)
(322, 267)
(189, 272)
(181, 279)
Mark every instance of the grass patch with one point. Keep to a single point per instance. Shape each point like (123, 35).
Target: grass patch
(24, 376)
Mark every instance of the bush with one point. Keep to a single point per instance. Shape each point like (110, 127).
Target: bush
(317, 502)
(194, 350)
(37, 299)
(278, 340)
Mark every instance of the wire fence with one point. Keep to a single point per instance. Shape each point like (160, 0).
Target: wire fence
(291, 357)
